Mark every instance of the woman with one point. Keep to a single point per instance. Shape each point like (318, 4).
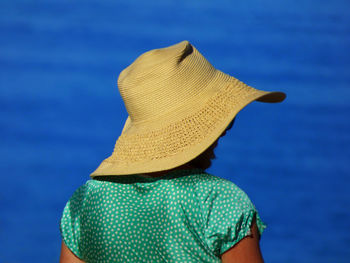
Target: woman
(151, 200)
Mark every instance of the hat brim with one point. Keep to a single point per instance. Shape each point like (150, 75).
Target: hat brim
(175, 141)
(272, 97)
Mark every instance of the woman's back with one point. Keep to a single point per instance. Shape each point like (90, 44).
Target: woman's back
(183, 216)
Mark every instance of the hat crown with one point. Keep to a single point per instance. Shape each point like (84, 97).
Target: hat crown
(163, 80)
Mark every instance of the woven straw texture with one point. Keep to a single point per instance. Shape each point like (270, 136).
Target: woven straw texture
(178, 105)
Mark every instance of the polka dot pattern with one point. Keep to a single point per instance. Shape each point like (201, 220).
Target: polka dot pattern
(184, 216)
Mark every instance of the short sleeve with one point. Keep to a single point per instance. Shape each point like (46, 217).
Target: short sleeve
(229, 216)
(70, 222)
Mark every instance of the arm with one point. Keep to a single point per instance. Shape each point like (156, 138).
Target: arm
(245, 251)
(67, 256)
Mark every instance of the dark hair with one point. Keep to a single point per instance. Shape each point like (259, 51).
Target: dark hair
(203, 161)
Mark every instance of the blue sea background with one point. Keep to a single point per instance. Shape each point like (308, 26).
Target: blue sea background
(61, 111)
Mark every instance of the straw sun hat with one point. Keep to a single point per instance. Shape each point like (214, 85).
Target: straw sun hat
(178, 105)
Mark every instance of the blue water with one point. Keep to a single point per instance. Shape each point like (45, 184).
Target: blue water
(61, 112)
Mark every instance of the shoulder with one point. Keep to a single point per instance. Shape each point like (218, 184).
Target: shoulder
(228, 213)
(74, 208)
(80, 194)
(219, 188)
(205, 178)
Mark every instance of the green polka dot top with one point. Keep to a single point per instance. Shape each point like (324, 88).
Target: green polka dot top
(184, 216)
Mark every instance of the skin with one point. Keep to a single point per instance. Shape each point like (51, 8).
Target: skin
(67, 256)
(245, 251)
